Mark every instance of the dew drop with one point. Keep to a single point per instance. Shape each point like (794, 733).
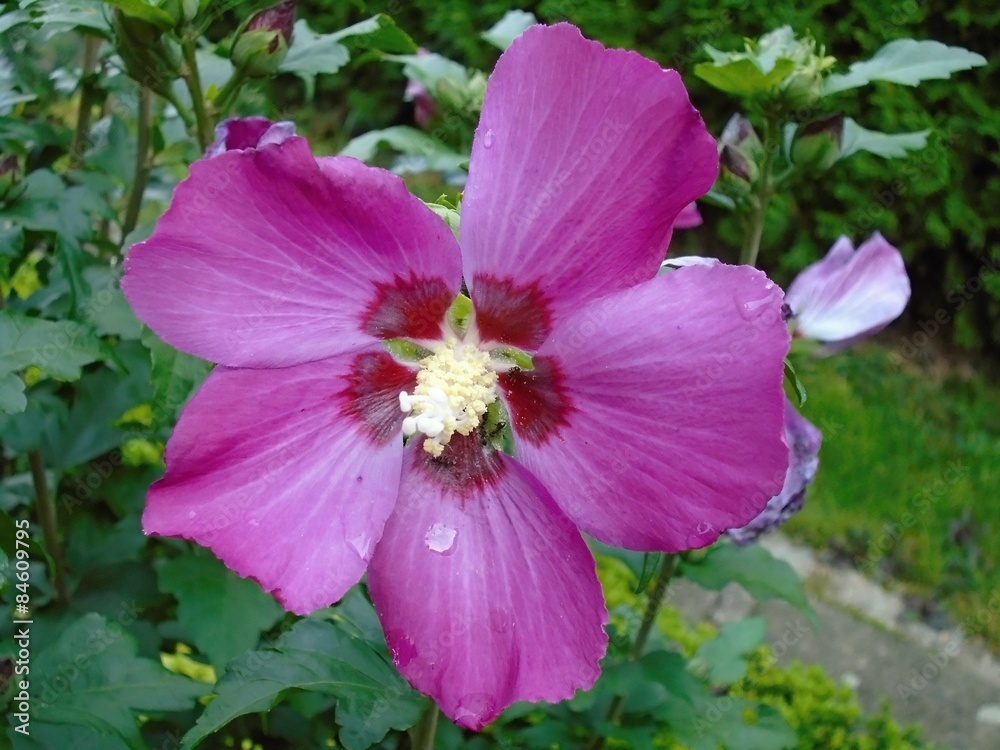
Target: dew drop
(441, 539)
(753, 309)
(704, 528)
(254, 521)
(361, 544)
(488, 138)
(191, 514)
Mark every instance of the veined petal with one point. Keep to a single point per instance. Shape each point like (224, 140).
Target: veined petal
(848, 294)
(487, 593)
(660, 423)
(248, 132)
(803, 440)
(288, 475)
(268, 258)
(582, 160)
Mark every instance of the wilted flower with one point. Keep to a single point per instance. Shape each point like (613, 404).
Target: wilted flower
(804, 441)
(848, 294)
(248, 132)
(330, 297)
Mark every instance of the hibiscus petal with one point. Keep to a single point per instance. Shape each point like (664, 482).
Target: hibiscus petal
(582, 160)
(658, 422)
(248, 132)
(688, 218)
(288, 475)
(268, 258)
(848, 294)
(803, 440)
(486, 591)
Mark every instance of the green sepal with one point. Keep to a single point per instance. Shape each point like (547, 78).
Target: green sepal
(460, 315)
(793, 380)
(496, 429)
(520, 359)
(650, 564)
(405, 350)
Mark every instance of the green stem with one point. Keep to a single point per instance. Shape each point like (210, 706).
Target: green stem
(141, 173)
(754, 225)
(47, 520)
(88, 95)
(667, 569)
(422, 735)
(182, 111)
(224, 99)
(193, 80)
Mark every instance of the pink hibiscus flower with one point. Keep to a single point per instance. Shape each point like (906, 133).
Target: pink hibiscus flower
(651, 416)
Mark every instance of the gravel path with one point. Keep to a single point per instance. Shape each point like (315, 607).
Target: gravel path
(937, 679)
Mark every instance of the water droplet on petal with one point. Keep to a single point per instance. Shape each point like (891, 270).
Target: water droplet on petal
(402, 649)
(703, 535)
(254, 521)
(362, 544)
(474, 709)
(488, 138)
(753, 309)
(441, 539)
(191, 514)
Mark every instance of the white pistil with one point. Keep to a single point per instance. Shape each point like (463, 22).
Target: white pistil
(455, 386)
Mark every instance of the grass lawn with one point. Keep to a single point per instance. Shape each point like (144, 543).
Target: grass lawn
(909, 479)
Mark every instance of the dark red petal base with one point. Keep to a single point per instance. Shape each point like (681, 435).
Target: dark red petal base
(463, 465)
(411, 308)
(537, 400)
(372, 395)
(510, 314)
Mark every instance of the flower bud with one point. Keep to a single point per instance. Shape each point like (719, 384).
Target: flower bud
(817, 145)
(142, 50)
(264, 42)
(740, 149)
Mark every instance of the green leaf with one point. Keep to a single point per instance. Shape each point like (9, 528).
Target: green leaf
(12, 398)
(222, 613)
(433, 156)
(145, 12)
(105, 306)
(755, 569)
(312, 54)
(432, 70)
(101, 682)
(792, 378)
(887, 145)
(724, 657)
(316, 655)
(49, 205)
(650, 565)
(508, 28)
(58, 16)
(175, 376)
(59, 348)
(905, 61)
(742, 77)
(377, 33)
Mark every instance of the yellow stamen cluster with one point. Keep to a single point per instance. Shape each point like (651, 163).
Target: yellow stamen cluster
(455, 386)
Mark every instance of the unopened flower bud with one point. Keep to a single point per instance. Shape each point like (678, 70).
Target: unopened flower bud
(142, 50)
(740, 149)
(264, 42)
(817, 145)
